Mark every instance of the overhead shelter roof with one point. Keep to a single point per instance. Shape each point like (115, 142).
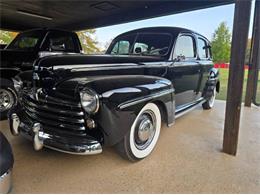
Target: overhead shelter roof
(19, 15)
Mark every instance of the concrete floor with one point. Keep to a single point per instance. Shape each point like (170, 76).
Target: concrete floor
(187, 159)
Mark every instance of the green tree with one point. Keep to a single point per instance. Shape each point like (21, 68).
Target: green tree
(221, 44)
(88, 41)
(248, 50)
(6, 36)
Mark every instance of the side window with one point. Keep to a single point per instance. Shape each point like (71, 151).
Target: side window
(26, 42)
(122, 45)
(140, 48)
(153, 44)
(184, 47)
(202, 48)
(59, 42)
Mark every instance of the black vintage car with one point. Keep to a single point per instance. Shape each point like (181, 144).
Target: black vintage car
(21, 53)
(6, 165)
(81, 103)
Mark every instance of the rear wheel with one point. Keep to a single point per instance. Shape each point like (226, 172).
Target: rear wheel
(7, 100)
(210, 103)
(143, 136)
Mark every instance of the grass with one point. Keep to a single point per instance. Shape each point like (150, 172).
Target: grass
(222, 95)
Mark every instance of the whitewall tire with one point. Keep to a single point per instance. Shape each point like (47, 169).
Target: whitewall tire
(143, 135)
(210, 103)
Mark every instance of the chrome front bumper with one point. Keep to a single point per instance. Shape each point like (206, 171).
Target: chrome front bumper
(6, 182)
(80, 146)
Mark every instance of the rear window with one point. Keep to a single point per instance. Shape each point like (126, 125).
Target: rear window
(26, 41)
(148, 44)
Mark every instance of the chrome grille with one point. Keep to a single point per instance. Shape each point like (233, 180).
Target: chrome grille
(55, 114)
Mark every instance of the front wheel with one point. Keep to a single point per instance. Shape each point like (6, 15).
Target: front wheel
(7, 100)
(143, 136)
(210, 103)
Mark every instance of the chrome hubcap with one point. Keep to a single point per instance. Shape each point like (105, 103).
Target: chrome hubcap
(145, 130)
(6, 100)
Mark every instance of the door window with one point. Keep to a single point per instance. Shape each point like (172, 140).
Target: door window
(146, 44)
(122, 45)
(184, 47)
(152, 44)
(202, 48)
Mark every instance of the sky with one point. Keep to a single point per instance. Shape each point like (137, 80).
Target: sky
(204, 21)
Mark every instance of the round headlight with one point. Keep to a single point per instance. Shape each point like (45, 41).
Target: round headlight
(89, 100)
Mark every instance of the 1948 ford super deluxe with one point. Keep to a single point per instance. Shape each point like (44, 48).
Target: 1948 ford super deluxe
(81, 103)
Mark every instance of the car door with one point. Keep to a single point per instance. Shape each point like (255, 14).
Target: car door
(185, 71)
(204, 59)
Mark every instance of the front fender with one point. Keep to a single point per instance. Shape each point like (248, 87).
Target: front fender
(122, 98)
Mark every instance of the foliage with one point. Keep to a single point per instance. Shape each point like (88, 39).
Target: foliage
(221, 44)
(248, 50)
(222, 95)
(6, 36)
(88, 41)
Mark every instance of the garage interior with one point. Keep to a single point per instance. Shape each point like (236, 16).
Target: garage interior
(188, 158)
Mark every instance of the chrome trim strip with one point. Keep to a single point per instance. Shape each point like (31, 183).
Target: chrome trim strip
(81, 67)
(105, 68)
(6, 182)
(142, 99)
(94, 149)
(76, 66)
(115, 67)
(187, 108)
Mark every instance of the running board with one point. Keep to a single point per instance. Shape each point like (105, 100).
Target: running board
(187, 108)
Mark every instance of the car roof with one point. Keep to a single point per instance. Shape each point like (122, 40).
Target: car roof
(48, 30)
(162, 29)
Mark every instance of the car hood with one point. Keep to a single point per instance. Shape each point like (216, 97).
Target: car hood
(59, 72)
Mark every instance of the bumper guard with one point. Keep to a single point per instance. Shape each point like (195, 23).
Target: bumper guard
(80, 146)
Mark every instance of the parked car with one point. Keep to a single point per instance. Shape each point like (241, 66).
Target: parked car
(21, 53)
(6, 165)
(81, 103)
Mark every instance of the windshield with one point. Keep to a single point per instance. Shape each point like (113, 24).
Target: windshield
(149, 44)
(26, 41)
